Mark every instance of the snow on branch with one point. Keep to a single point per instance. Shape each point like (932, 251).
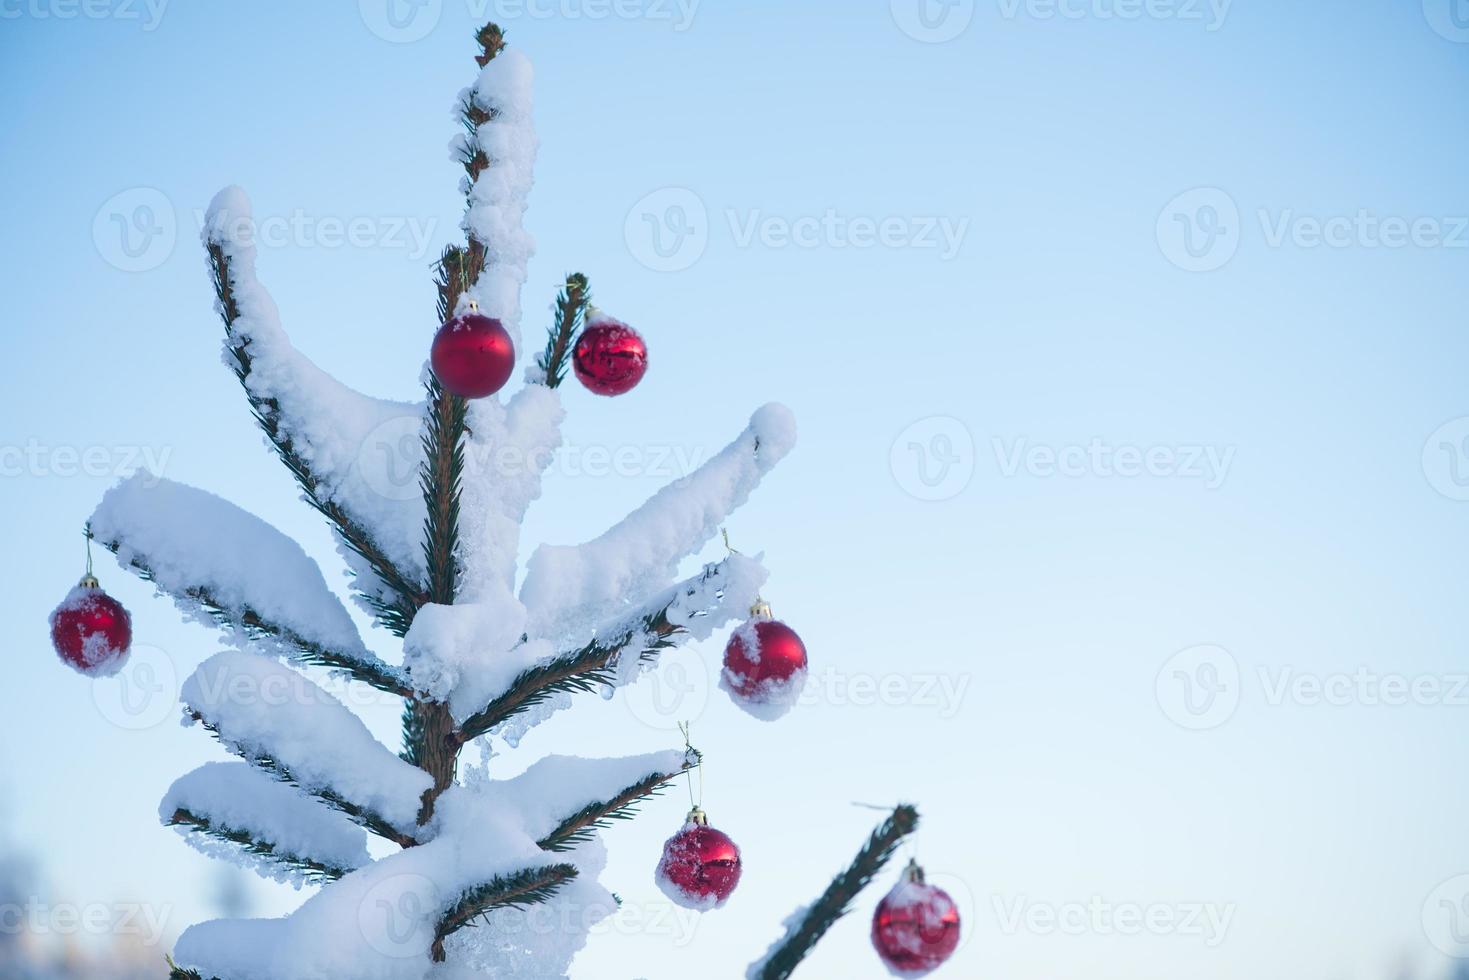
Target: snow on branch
(806, 926)
(563, 800)
(281, 722)
(345, 449)
(507, 451)
(231, 810)
(571, 587)
(216, 559)
(571, 309)
(691, 610)
(388, 920)
(529, 887)
(499, 152)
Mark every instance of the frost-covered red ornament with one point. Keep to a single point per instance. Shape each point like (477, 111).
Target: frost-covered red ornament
(472, 355)
(610, 357)
(91, 631)
(700, 866)
(764, 665)
(916, 926)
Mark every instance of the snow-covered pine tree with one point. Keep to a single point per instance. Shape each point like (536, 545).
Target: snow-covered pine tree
(436, 569)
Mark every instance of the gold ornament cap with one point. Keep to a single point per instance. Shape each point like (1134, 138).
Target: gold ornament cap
(913, 873)
(761, 611)
(89, 581)
(699, 817)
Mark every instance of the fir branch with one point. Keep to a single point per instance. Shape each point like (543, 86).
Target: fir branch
(518, 890)
(373, 672)
(588, 669)
(571, 309)
(176, 972)
(837, 900)
(443, 455)
(428, 727)
(473, 115)
(396, 613)
(579, 827)
(491, 41)
(314, 871)
(276, 769)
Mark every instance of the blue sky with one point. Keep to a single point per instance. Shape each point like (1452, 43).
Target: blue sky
(1127, 346)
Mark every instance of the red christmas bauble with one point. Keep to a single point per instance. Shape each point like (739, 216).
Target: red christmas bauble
(610, 357)
(91, 631)
(472, 355)
(916, 926)
(764, 666)
(700, 866)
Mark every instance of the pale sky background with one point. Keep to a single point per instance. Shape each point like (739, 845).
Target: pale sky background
(1135, 277)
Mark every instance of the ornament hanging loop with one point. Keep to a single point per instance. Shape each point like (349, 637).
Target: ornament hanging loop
(89, 581)
(759, 609)
(696, 815)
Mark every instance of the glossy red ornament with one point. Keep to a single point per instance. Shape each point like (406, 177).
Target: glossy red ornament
(610, 357)
(916, 926)
(764, 665)
(472, 355)
(91, 631)
(700, 866)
